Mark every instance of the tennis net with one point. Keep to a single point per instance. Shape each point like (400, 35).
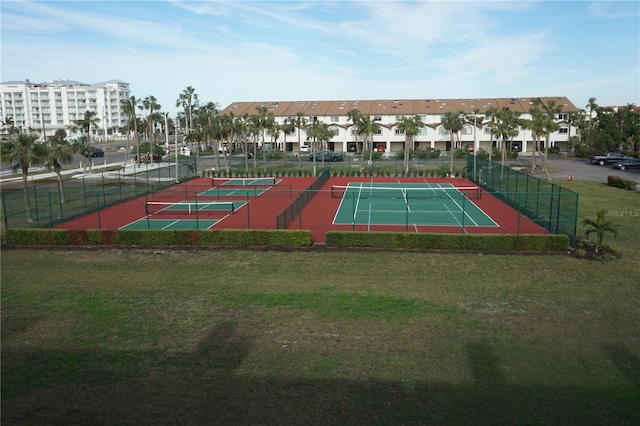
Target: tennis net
(187, 207)
(264, 181)
(390, 193)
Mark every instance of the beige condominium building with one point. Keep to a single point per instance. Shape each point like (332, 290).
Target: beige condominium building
(387, 112)
(57, 104)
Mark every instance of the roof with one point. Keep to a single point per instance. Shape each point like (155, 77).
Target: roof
(391, 106)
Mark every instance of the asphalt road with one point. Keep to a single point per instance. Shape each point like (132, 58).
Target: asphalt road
(581, 169)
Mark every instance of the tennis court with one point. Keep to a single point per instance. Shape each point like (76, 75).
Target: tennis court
(184, 214)
(239, 187)
(410, 205)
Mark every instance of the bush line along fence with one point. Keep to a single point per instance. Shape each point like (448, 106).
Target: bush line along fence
(551, 206)
(287, 238)
(41, 204)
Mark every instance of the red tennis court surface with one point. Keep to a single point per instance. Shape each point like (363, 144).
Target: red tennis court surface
(261, 210)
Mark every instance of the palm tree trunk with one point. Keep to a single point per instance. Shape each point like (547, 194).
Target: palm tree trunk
(451, 155)
(533, 153)
(25, 190)
(544, 159)
(61, 183)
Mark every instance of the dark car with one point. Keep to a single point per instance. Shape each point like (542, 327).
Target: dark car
(631, 163)
(97, 152)
(326, 155)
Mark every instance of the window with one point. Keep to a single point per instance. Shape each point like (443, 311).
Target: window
(443, 131)
(397, 132)
(487, 130)
(335, 119)
(422, 131)
(562, 116)
(466, 130)
(377, 118)
(563, 130)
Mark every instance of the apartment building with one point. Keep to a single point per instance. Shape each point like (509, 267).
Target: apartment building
(57, 104)
(387, 113)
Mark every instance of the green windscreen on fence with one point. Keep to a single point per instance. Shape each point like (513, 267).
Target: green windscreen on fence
(47, 202)
(549, 205)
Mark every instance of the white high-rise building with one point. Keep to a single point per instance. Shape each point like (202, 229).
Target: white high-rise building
(57, 104)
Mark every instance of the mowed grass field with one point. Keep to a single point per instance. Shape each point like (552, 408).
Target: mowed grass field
(321, 337)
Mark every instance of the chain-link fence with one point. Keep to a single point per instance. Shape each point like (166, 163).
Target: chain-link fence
(46, 202)
(549, 205)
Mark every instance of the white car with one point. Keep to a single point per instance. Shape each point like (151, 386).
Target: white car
(305, 148)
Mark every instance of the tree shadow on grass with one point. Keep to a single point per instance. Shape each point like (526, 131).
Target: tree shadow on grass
(208, 386)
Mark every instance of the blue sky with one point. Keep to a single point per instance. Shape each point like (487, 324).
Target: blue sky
(316, 50)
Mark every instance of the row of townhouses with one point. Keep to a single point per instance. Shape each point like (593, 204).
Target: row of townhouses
(57, 104)
(387, 113)
(49, 106)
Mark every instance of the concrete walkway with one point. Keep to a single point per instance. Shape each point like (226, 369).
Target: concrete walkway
(98, 169)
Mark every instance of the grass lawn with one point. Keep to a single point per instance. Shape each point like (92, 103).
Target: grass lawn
(251, 337)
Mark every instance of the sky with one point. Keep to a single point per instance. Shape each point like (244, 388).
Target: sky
(231, 51)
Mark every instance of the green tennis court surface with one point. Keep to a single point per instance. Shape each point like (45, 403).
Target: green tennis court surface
(201, 215)
(145, 223)
(409, 204)
(240, 187)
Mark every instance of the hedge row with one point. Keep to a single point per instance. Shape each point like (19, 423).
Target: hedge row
(205, 237)
(481, 242)
(619, 182)
(286, 238)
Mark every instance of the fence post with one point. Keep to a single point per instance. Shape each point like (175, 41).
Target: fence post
(50, 209)
(84, 193)
(248, 214)
(35, 202)
(98, 206)
(4, 211)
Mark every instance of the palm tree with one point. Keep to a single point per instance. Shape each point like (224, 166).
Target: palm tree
(129, 107)
(187, 99)
(59, 152)
(599, 227)
(368, 127)
(410, 126)
(551, 110)
(89, 120)
(319, 131)
(592, 106)
(300, 122)
(454, 124)
(151, 103)
(504, 125)
(355, 116)
(22, 151)
(536, 124)
(9, 127)
(287, 127)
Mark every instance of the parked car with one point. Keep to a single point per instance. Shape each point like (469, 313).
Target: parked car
(327, 155)
(305, 148)
(609, 158)
(631, 163)
(97, 152)
(469, 148)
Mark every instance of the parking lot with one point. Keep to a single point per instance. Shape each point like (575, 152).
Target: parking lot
(561, 168)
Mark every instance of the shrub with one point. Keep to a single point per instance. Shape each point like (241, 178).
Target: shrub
(619, 182)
